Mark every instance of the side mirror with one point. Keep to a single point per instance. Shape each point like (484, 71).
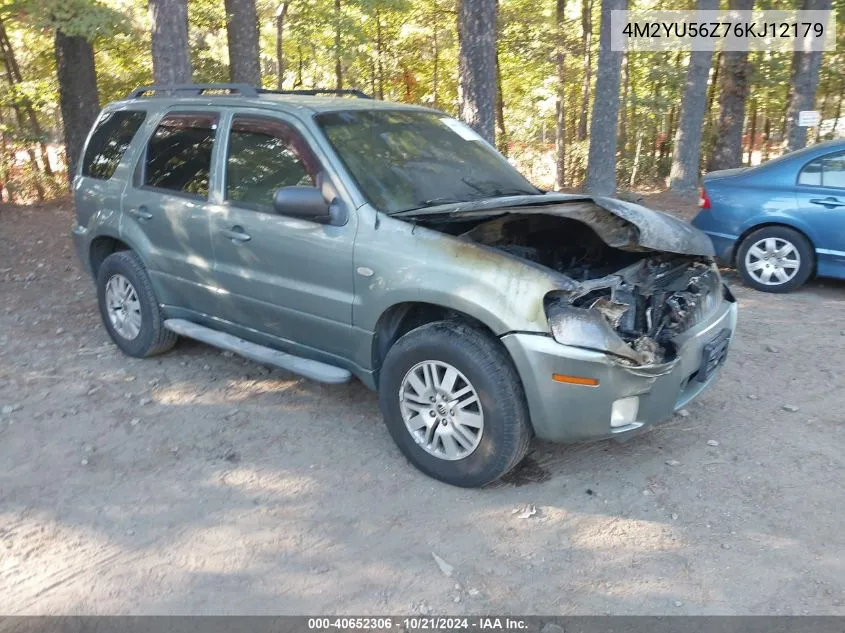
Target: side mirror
(302, 202)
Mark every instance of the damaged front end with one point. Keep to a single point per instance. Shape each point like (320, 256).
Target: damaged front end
(620, 293)
(637, 312)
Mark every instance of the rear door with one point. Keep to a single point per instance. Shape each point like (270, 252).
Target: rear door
(102, 178)
(287, 277)
(820, 197)
(165, 208)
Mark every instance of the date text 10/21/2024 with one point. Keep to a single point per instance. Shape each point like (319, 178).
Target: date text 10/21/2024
(419, 623)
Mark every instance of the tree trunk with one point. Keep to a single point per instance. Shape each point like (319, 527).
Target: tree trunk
(19, 119)
(338, 65)
(281, 14)
(823, 107)
(477, 65)
(380, 55)
(767, 135)
(242, 35)
(727, 149)
(633, 180)
(78, 97)
(805, 80)
(683, 176)
(752, 120)
(832, 133)
(707, 139)
(560, 110)
(586, 46)
(4, 165)
(435, 74)
(501, 132)
(622, 132)
(171, 56)
(601, 162)
(13, 73)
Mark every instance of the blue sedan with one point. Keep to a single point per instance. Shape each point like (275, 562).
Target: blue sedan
(781, 222)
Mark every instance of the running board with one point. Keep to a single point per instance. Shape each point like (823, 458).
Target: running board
(313, 369)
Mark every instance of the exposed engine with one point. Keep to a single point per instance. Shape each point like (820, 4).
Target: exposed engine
(646, 297)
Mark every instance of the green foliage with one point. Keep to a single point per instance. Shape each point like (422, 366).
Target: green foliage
(405, 50)
(85, 18)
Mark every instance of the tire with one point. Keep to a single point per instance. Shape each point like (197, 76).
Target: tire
(484, 365)
(152, 338)
(800, 260)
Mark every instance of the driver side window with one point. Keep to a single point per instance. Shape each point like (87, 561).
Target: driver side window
(827, 171)
(265, 155)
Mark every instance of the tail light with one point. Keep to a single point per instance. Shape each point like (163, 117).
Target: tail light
(704, 200)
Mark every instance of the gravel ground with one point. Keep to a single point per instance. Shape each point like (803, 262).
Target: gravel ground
(201, 483)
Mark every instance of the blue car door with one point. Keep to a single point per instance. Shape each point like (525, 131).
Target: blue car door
(820, 198)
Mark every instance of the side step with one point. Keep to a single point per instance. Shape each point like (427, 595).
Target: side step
(313, 369)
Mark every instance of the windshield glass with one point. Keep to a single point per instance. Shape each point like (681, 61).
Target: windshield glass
(406, 160)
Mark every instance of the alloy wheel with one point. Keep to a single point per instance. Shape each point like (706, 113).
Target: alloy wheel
(441, 410)
(123, 307)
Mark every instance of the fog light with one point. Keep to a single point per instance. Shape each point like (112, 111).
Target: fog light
(624, 411)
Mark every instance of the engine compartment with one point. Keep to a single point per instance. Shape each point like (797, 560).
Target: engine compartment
(647, 297)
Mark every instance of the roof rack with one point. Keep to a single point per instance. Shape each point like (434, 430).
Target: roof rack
(236, 90)
(197, 90)
(360, 94)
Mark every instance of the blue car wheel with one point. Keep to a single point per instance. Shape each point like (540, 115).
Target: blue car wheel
(775, 259)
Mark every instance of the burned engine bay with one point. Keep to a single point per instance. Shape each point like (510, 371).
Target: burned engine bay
(627, 300)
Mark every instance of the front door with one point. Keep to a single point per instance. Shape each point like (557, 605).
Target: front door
(284, 276)
(165, 209)
(820, 198)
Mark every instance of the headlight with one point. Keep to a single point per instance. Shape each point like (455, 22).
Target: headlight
(585, 327)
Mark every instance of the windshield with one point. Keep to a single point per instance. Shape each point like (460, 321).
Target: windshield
(406, 160)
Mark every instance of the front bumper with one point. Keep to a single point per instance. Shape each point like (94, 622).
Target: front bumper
(563, 412)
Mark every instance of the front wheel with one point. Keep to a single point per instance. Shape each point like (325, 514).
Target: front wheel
(453, 403)
(775, 259)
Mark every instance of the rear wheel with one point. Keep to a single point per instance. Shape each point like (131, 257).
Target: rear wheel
(775, 259)
(453, 403)
(129, 307)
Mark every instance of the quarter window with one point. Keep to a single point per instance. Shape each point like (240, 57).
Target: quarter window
(264, 156)
(179, 154)
(827, 171)
(110, 140)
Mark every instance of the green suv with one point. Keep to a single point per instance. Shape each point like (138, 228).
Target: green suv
(338, 237)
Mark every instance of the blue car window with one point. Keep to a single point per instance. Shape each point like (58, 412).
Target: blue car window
(811, 174)
(826, 171)
(833, 172)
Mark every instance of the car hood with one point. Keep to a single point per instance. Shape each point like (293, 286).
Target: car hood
(620, 224)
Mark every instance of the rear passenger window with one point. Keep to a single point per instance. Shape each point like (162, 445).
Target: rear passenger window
(110, 140)
(827, 171)
(178, 155)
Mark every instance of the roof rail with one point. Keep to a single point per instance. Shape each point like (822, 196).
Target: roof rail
(318, 91)
(237, 90)
(197, 90)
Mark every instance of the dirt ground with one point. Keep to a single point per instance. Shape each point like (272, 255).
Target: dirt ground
(201, 483)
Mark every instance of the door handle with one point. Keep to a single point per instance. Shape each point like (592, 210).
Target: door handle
(141, 213)
(830, 202)
(236, 234)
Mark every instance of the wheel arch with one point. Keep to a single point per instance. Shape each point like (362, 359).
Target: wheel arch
(101, 247)
(401, 318)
